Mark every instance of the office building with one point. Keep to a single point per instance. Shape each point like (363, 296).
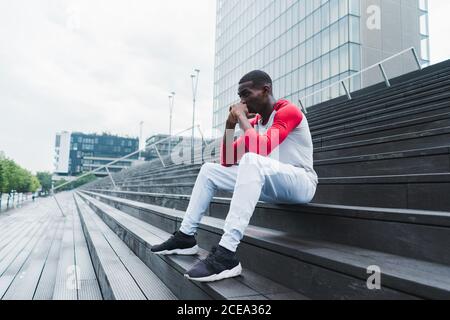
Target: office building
(307, 45)
(77, 153)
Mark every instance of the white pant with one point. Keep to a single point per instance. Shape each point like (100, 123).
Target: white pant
(256, 178)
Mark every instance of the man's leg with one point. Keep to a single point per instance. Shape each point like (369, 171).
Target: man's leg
(212, 177)
(258, 178)
(266, 179)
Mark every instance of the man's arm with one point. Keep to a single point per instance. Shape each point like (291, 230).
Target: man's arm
(227, 142)
(231, 150)
(286, 120)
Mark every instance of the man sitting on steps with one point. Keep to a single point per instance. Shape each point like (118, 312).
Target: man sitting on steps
(275, 156)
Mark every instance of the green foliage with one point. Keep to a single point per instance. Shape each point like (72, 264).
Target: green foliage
(14, 177)
(35, 184)
(74, 184)
(45, 179)
(2, 176)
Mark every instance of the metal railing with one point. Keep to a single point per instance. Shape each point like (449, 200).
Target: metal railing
(341, 82)
(145, 148)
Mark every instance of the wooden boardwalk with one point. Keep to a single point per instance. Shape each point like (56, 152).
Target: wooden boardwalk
(44, 255)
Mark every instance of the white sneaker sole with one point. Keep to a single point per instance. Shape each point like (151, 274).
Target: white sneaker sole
(182, 252)
(236, 271)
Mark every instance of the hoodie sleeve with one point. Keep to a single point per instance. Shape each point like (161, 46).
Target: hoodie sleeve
(286, 120)
(231, 153)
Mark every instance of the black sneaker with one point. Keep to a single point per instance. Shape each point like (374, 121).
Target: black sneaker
(179, 243)
(220, 264)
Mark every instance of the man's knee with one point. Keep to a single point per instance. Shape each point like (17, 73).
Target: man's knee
(207, 168)
(251, 158)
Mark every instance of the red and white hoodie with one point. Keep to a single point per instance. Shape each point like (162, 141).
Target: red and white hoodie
(286, 137)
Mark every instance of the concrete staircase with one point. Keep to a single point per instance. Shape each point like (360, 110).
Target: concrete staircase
(383, 200)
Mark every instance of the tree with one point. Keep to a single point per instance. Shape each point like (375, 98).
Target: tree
(15, 178)
(2, 180)
(45, 179)
(34, 184)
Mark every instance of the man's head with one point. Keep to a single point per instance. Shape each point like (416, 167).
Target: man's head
(255, 90)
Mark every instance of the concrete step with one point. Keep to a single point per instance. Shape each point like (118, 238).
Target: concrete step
(160, 171)
(411, 233)
(401, 142)
(351, 134)
(419, 161)
(317, 269)
(122, 275)
(421, 192)
(332, 149)
(402, 84)
(411, 109)
(180, 170)
(180, 178)
(384, 104)
(169, 173)
(140, 237)
(414, 191)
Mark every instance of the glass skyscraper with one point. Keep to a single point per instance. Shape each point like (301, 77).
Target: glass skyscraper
(306, 45)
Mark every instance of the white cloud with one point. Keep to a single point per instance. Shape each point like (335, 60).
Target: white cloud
(100, 65)
(96, 66)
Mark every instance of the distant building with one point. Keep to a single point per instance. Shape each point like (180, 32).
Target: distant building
(2, 155)
(77, 153)
(62, 153)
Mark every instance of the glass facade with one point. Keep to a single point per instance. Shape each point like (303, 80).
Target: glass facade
(90, 151)
(424, 32)
(305, 45)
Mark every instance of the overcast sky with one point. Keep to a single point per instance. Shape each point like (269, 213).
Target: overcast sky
(106, 65)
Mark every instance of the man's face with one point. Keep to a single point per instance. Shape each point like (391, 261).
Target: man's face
(254, 98)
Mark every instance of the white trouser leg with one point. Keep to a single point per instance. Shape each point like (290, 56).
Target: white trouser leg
(212, 177)
(266, 179)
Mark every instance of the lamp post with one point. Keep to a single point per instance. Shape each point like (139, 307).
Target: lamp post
(140, 139)
(194, 78)
(171, 104)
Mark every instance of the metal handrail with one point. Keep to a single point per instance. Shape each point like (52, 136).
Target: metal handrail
(378, 64)
(123, 158)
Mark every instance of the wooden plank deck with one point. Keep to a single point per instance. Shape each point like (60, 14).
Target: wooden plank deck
(44, 255)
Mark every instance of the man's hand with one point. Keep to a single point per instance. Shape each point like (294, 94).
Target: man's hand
(240, 109)
(232, 120)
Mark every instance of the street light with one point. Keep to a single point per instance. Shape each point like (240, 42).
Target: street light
(194, 78)
(171, 104)
(140, 139)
